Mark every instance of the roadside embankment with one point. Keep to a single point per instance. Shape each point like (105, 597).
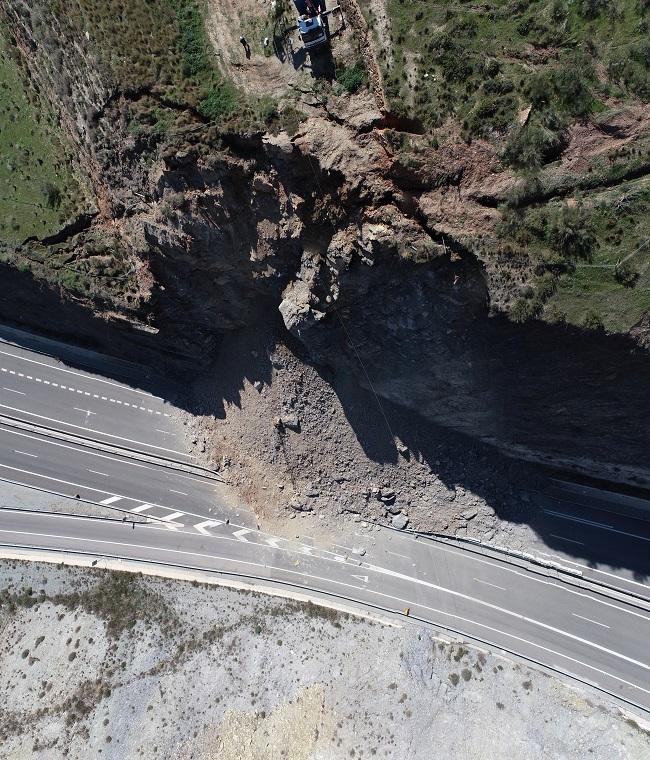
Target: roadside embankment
(100, 662)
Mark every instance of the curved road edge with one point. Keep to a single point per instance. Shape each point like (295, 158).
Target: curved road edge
(287, 589)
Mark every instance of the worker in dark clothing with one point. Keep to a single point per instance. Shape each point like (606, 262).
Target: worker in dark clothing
(247, 47)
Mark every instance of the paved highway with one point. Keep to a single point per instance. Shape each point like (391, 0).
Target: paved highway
(41, 390)
(118, 481)
(604, 534)
(600, 640)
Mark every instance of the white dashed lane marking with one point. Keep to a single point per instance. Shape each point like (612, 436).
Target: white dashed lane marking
(110, 500)
(142, 508)
(78, 390)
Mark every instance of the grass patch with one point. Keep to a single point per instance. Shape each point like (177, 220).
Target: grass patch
(351, 78)
(593, 261)
(479, 63)
(38, 191)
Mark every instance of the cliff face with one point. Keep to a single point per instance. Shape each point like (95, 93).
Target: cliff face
(213, 230)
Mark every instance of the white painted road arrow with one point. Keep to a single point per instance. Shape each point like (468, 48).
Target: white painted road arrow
(239, 534)
(363, 578)
(201, 527)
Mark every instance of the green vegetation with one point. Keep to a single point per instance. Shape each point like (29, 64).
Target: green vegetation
(482, 63)
(351, 78)
(38, 192)
(160, 49)
(95, 263)
(593, 261)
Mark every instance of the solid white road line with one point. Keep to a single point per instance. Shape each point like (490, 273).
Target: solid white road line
(485, 583)
(24, 453)
(589, 620)
(503, 610)
(11, 390)
(339, 583)
(182, 493)
(564, 538)
(602, 526)
(521, 572)
(395, 554)
(77, 449)
(96, 472)
(54, 480)
(88, 377)
(99, 432)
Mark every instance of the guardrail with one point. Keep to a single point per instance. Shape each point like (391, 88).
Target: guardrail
(332, 594)
(572, 574)
(111, 448)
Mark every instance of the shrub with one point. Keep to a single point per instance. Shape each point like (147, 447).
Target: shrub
(536, 143)
(571, 233)
(191, 42)
(351, 78)
(591, 9)
(545, 286)
(524, 309)
(625, 274)
(52, 195)
(592, 321)
(220, 103)
(572, 88)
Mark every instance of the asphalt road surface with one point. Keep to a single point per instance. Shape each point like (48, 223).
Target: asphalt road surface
(600, 640)
(574, 628)
(42, 390)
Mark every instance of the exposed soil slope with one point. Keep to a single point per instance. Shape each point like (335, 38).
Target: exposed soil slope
(404, 255)
(115, 666)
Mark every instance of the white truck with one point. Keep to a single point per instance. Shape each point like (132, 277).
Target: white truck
(312, 24)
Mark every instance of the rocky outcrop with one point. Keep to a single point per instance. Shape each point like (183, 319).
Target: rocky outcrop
(360, 250)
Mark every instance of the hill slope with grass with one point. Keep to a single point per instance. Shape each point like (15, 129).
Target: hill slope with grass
(447, 205)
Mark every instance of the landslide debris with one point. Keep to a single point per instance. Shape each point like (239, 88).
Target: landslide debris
(470, 248)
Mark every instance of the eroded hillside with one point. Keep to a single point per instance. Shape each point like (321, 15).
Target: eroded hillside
(112, 665)
(452, 208)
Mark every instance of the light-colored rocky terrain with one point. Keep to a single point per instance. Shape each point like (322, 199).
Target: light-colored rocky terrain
(112, 665)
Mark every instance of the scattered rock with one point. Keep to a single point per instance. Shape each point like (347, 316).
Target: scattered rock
(291, 422)
(399, 521)
(262, 185)
(358, 550)
(386, 495)
(298, 505)
(258, 385)
(402, 448)
(469, 514)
